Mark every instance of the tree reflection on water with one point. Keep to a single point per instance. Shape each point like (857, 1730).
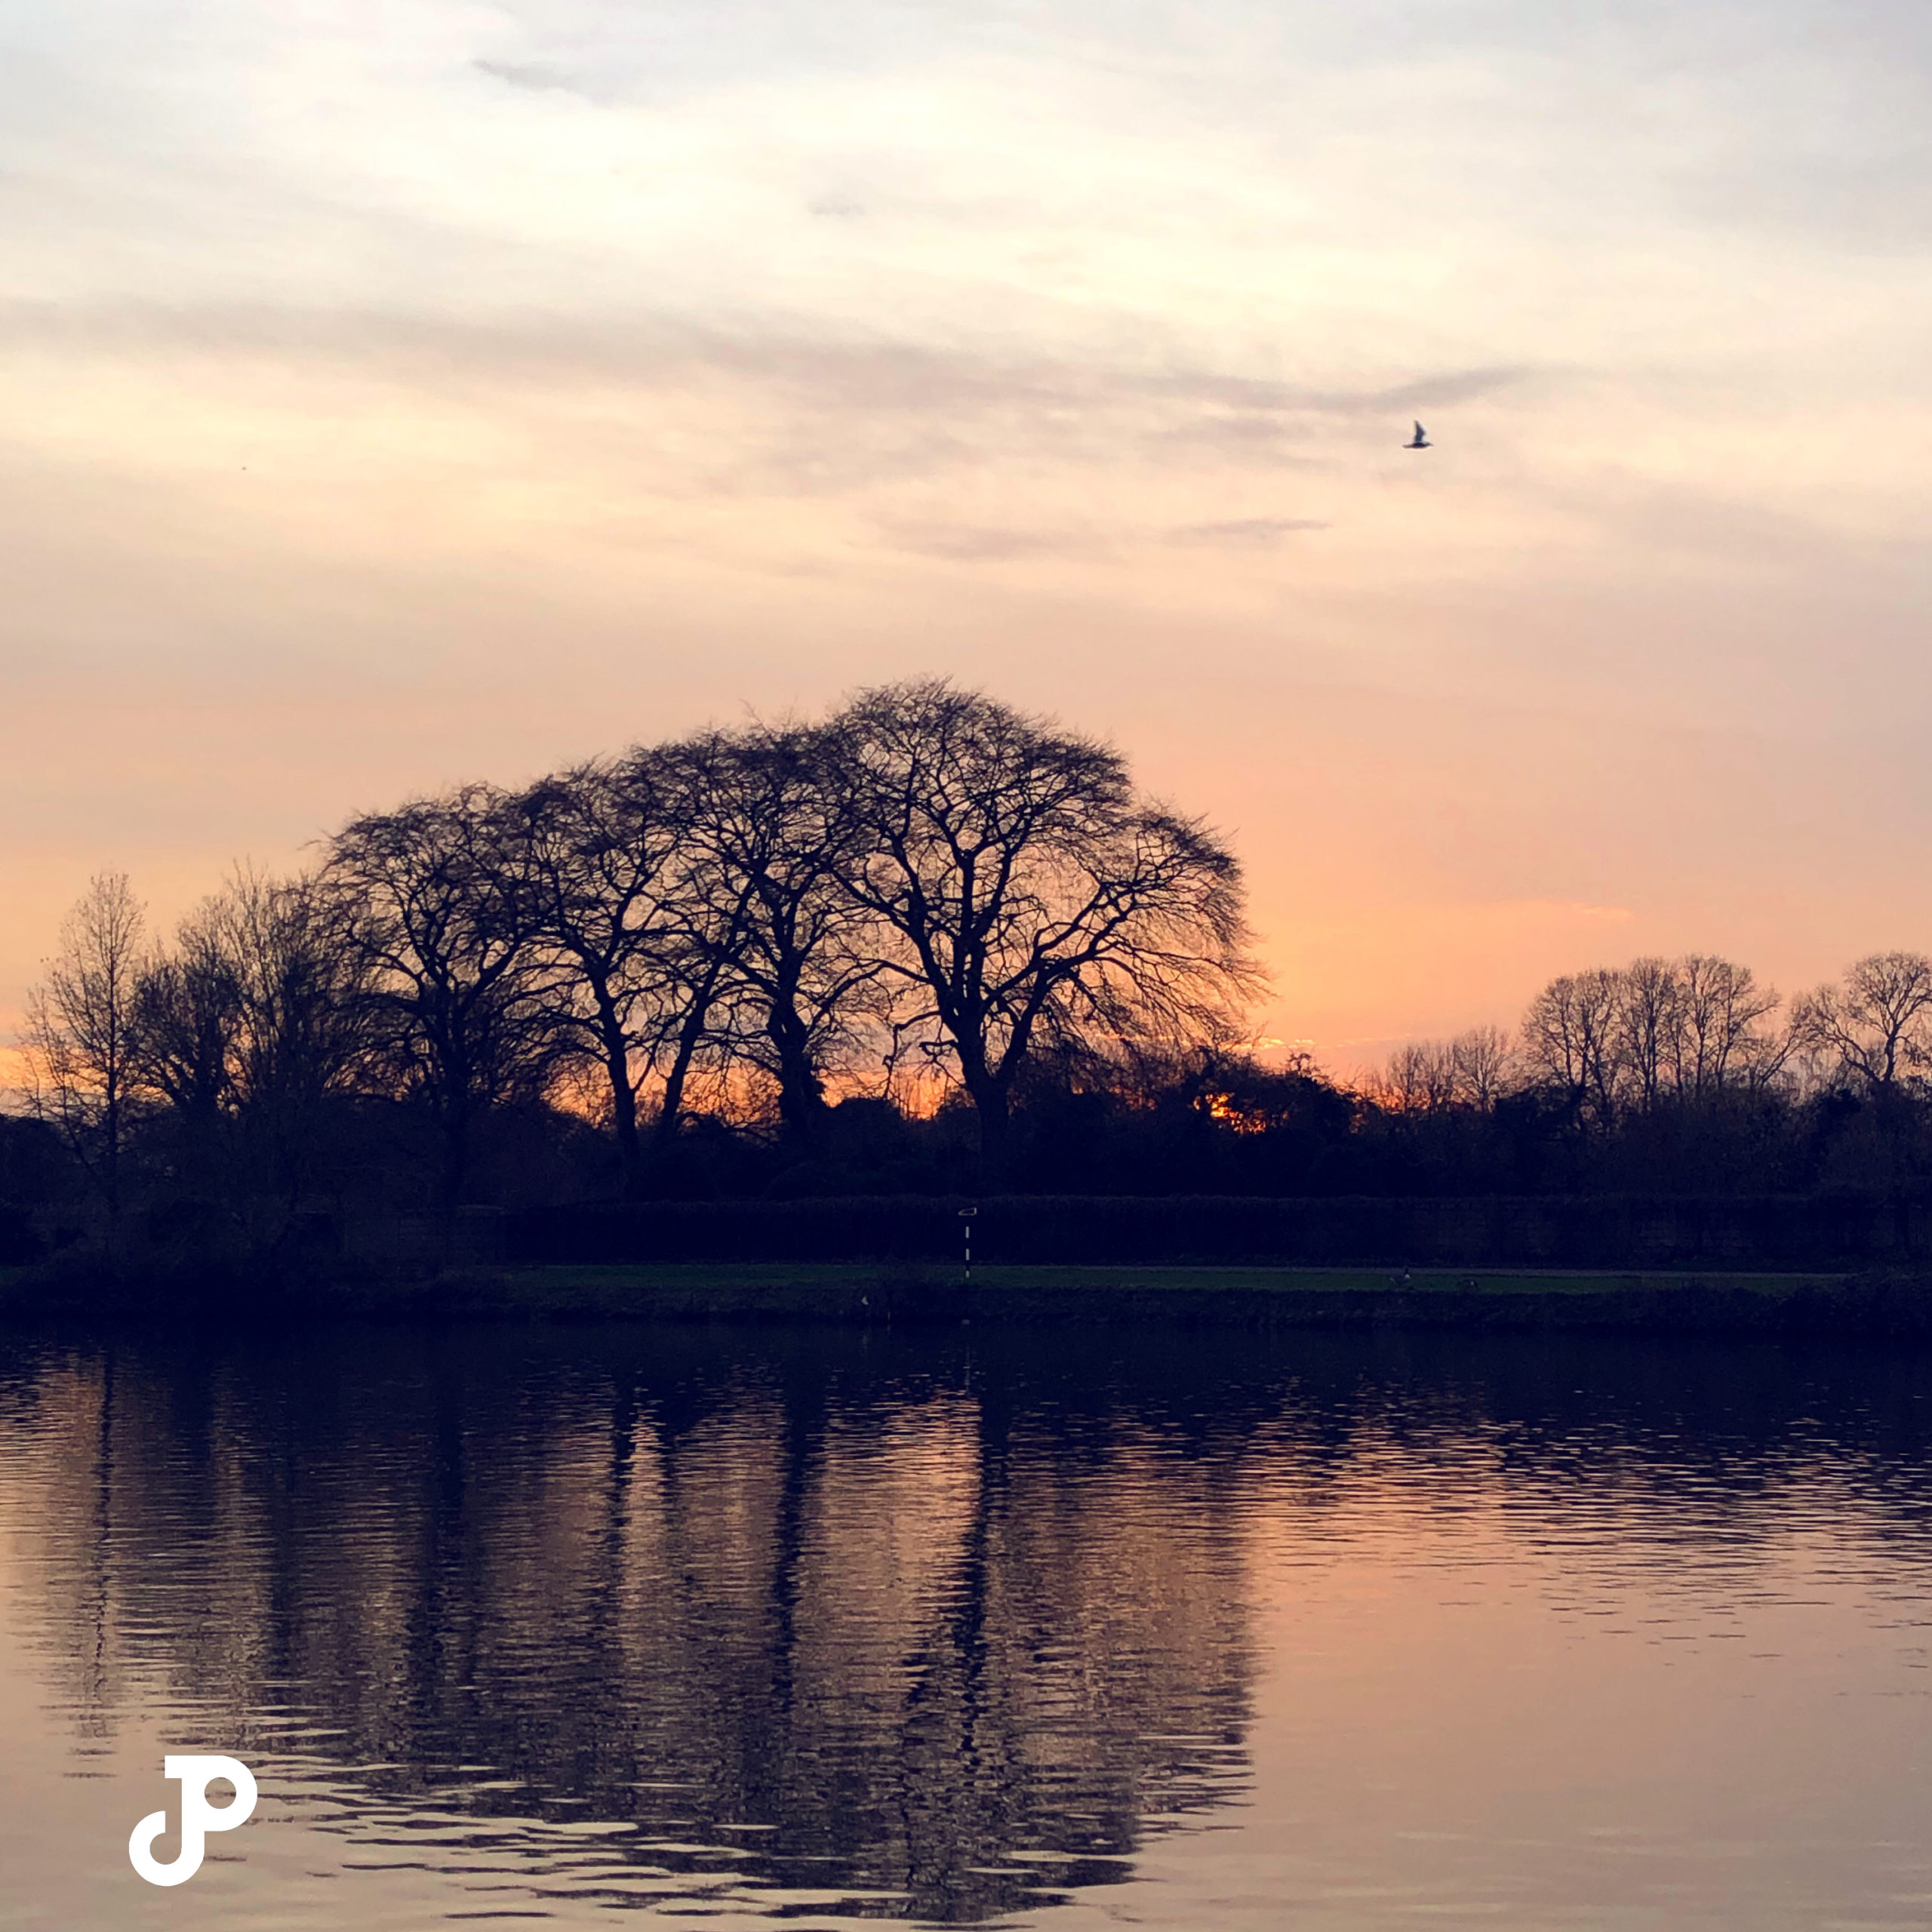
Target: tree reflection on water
(836, 1616)
(885, 1624)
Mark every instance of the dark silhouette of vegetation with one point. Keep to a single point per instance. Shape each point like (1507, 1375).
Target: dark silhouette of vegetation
(454, 999)
(1025, 894)
(80, 1043)
(930, 946)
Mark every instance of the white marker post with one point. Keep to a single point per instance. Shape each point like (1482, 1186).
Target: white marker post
(966, 1228)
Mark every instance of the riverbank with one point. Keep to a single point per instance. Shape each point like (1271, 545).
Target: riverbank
(1656, 1302)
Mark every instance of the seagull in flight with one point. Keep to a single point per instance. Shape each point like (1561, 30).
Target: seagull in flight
(1420, 441)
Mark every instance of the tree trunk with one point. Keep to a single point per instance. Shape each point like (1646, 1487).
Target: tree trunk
(992, 1103)
(801, 1107)
(616, 1046)
(624, 1118)
(672, 1111)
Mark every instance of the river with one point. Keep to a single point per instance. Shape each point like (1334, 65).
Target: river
(820, 1628)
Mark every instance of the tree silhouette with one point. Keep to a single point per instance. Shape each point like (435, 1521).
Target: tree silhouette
(1876, 1028)
(1024, 891)
(595, 873)
(772, 842)
(453, 998)
(81, 1031)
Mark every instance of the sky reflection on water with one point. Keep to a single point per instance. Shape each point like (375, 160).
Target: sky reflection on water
(1186, 1630)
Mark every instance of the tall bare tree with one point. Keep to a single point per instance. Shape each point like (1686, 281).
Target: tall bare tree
(598, 854)
(772, 839)
(1569, 1038)
(1421, 1079)
(302, 986)
(1876, 1025)
(1654, 1032)
(1024, 891)
(1646, 1030)
(1722, 1040)
(187, 1017)
(1484, 1066)
(81, 1031)
(454, 997)
(701, 932)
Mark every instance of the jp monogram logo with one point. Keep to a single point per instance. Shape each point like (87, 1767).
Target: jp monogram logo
(198, 1817)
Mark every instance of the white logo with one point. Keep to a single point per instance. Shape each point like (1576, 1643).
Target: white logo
(198, 1817)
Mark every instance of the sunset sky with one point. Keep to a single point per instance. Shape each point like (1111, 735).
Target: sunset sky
(391, 395)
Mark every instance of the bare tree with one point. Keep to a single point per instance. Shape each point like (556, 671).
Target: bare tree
(1644, 1048)
(302, 989)
(453, 1000)
(1483, 1064)
(598, 856)
(249, 1027)
(186, 1019)
(1569, 1038)
(703, 940)
(1420, 1078)
(772, 839)
(1470, 1073)
(1024, 892)
(1876, 1027)
(1656, 1031)
(1721, 1042)
(81, 1029)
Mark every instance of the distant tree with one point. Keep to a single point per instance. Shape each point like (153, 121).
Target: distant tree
(303, 989)
(597, 865)
(1023, 891)
(771, 840)
(1242, 1097)
(1569, 1041)
(1721, 1040)
(1484, 1064)
(250, 1028)
(81, 1031)
(1656, 1031)
(453, 996)
(1647, 1024)
(1421, 1079)
(187, 1017)
(1876, 1027)
(1469, 1073)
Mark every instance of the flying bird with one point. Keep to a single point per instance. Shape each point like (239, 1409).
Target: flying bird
(1420, 441)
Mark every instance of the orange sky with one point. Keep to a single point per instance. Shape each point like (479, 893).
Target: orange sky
(394, 396)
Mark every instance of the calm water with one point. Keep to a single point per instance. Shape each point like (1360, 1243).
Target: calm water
(823, 1628)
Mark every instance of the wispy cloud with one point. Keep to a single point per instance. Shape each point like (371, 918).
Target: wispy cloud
(539, 77)
(813, 409)
(1246, 529)
(962, 543)
(1258, 397)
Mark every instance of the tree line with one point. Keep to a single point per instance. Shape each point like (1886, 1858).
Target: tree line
(1696, 1030)
(1683, 1074)
(929, 890)
(930, 944)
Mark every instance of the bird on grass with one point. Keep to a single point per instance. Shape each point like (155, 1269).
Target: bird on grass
(1420, 441)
